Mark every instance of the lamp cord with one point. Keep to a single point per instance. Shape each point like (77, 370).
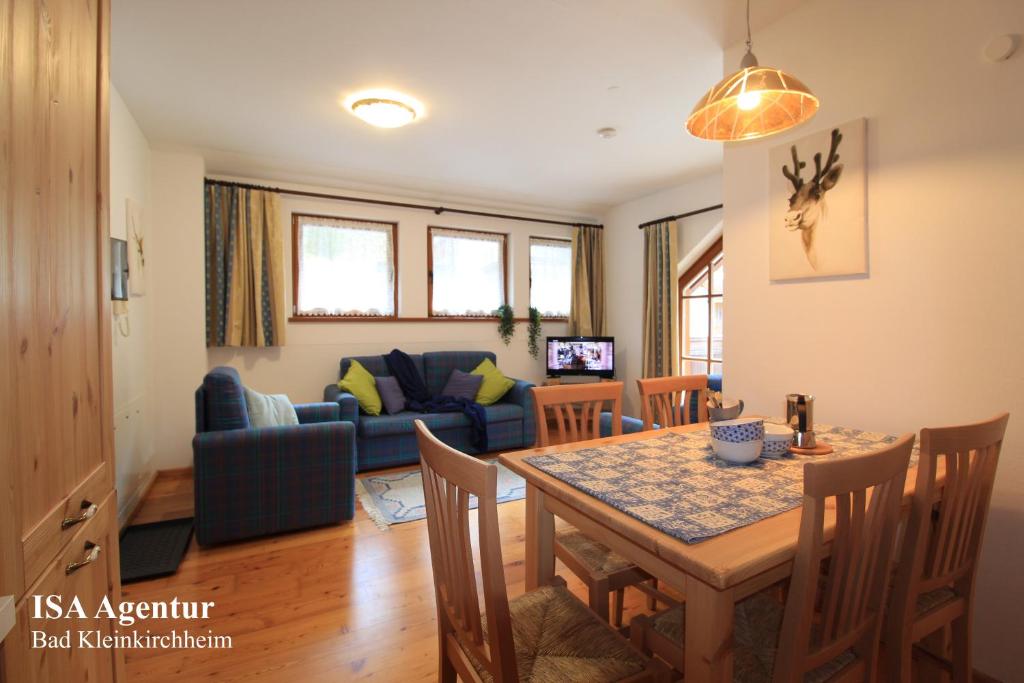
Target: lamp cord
(750, 43)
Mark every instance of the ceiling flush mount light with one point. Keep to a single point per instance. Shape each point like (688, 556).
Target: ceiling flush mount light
(751, 103)
(384, 109)
(607, 133)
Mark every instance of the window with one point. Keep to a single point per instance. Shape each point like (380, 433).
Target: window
(700, 314)
(466, 272)
(343, 268)
(550, 276)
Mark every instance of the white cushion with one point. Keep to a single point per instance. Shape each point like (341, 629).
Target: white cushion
(269, 410)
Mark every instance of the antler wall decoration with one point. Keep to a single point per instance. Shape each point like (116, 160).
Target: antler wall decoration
(807, 206)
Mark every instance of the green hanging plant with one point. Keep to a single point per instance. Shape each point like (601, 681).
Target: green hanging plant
(533, 343)
(506, 323)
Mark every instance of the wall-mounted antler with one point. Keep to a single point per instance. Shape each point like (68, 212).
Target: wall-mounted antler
(820, 172)
(794, 176)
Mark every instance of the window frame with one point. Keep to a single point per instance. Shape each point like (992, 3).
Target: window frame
(297, 216)
(430, 271)
(529, 258)
(701, 265)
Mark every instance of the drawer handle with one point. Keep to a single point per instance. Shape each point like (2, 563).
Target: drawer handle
(92, 553)
(89, 509)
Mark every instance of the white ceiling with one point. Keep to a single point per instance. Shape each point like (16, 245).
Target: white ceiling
(514, 91)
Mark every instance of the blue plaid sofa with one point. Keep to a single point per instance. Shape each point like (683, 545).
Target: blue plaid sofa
(390, 440)
(252, 482)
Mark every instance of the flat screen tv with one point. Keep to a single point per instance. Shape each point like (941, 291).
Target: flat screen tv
(593, 356)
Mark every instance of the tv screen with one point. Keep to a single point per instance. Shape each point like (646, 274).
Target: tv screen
(581, 356)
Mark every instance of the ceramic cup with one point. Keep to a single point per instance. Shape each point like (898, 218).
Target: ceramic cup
(738, 441)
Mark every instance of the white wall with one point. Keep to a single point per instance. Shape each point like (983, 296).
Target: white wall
(179, 294)
(624, 265)
(933, 335)
(309, 359)
(132, 355)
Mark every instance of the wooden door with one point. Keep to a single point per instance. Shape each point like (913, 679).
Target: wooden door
(56, 447)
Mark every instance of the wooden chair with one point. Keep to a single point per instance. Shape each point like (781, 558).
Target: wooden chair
(665, 401)
(934, 585)
(576, 412)
(832, 620)
(548, 634)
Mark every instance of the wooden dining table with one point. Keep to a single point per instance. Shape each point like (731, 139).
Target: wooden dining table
(713, 574)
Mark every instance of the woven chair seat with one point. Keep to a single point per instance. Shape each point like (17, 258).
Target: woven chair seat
(757, 622)
(596, 556)
(559, 640)
(926, 602)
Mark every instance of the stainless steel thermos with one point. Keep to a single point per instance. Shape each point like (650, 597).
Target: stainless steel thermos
(800, 416)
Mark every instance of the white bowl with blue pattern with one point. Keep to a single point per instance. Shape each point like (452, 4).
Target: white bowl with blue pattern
(777, 440)
(738, 441)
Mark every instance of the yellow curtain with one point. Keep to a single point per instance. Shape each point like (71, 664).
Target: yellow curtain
(659, 353)
(586, 309)
(244, 277)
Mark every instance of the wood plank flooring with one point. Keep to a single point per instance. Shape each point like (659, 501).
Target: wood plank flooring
(343, 603)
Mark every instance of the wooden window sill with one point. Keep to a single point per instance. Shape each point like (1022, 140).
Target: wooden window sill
(393, 319)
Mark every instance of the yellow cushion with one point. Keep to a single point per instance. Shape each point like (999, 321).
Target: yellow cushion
(360, 383)
(495, 384)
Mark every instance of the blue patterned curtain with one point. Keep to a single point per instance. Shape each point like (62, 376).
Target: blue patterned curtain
(659, 356)
(244, 280)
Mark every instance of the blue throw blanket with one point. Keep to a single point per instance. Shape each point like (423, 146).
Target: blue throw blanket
(418, 398)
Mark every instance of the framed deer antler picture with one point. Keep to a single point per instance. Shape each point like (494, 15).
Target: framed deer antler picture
(818, 205)
(136, 247)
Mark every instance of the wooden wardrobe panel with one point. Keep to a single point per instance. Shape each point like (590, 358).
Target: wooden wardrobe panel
(56, 441)
(11, 579)
(89, 583)
(56, 256)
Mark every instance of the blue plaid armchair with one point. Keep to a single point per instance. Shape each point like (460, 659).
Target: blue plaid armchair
(253, 482)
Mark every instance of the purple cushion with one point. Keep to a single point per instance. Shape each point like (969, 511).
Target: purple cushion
(462, 385)
(390, 394)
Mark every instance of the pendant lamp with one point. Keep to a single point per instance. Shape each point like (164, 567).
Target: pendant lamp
(751, 103)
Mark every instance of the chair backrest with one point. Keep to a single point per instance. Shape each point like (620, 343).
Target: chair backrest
(848, 591)
(220, 402)
(666, 401)
(947, 522)
(449, 478)
(576, 409)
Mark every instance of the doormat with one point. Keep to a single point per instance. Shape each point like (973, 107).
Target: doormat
(149, 551)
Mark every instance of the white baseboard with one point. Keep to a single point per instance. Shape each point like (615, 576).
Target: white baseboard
(129, 505)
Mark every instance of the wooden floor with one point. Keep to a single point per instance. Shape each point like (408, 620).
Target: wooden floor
(344, 603)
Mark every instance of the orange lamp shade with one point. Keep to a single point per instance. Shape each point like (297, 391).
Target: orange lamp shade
(752, 103)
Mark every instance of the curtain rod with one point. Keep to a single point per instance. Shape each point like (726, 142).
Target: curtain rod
(405, 205)
(680, 215)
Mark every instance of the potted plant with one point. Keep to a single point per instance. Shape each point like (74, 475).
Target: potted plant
(533, 341)
(506, 323)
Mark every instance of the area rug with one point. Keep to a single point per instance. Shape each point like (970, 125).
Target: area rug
(397, 498)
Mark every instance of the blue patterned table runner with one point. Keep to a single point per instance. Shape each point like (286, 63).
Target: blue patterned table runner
(675, 483)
